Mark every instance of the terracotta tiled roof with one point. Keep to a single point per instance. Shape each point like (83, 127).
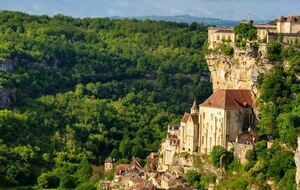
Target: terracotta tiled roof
(225, 31)
(229, 99)
(185, 117)
(265, 26)
(295, 19)
(135, 164)
(282, 19)
(121, 168)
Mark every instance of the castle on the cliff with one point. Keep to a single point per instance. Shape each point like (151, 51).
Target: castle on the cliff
(227, 117)
(287, 28)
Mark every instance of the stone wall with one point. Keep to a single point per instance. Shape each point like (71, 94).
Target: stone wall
(286, 38)
(240, 151)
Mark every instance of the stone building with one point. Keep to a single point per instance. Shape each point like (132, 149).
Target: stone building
(290, 24)
(169, 148)
(219, 35)
(223, 116)
(287, 28)
(108, 164)
(189, 130)
(263, 30)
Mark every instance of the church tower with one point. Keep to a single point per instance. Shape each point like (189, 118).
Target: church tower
(195, 108)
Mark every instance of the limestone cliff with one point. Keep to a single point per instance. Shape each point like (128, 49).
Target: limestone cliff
(238, 71)
(7, 95)
(7, 65)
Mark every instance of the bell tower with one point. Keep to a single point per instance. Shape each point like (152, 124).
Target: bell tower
(195, 108)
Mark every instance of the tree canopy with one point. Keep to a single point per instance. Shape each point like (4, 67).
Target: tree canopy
(86, 89)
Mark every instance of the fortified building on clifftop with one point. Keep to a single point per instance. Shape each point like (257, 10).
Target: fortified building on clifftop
(227, 117)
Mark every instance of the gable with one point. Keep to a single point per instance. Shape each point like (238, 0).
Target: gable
(185, 117)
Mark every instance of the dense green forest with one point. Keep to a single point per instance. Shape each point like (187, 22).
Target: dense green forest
(87, 88)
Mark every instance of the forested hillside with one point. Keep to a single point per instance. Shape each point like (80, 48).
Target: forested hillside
(85, 89)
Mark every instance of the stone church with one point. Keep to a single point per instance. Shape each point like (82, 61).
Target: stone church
(225, 117)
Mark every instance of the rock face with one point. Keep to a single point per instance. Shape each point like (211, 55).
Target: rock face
(7, 95)
(239, 71)
(297, 161)
(7, 65)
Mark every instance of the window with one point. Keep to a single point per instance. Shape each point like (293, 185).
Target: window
(202, 139)
(211, 116)
(203, 115)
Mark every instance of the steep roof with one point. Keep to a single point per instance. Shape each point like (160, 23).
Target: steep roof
(135, 164)
(229, 99)
(195, 106)
(185, 117)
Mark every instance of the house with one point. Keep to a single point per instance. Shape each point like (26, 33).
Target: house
(220, 35)
(263, 30)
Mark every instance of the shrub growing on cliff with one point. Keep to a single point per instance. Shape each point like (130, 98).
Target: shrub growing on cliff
(193, 178)
(288, 180)
(226, 49)
(274, 51)
(216, 154)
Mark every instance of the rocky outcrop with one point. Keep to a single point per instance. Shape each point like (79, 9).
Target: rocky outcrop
(239, 71)
(297, 161)
(7, 95)
(7, 65)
